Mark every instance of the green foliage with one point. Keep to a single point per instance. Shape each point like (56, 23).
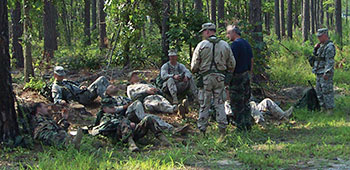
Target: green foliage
(35, 84)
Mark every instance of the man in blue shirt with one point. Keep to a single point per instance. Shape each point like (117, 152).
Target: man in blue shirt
(239, 85)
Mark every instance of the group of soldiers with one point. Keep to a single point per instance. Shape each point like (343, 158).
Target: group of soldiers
(219, 77)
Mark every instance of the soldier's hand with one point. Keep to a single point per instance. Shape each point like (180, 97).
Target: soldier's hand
(83, 87)
(325, 77)
(177, 77)
(185, 79)
(63, 102)
(317, 46)
(152, 91)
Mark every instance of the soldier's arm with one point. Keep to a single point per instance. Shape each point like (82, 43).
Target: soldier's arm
(57, 94)
(164, 74)
(185, 71)
(231, 62)
(329, 56)
(196, 59)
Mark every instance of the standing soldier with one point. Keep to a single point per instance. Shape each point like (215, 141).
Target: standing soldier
(240, 83)
(323, 67)
(212, 58)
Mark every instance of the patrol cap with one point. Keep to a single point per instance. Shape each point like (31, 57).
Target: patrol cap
(59, 70)
(172, 53)
(107, 102)
(207, 26)
(321, 31)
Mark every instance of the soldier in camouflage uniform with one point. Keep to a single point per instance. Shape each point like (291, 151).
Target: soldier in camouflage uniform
(177, 78)
(64, 90)
(149, 95)
(323, 67)
(49, 132)
(212, 59)
(133, 110)
(114, 125)
(239, 86)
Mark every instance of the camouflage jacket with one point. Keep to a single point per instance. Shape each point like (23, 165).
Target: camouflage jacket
(138, 91)
(168, 70)
(324, 61)
(45, 124)
(65, 90)
(203, 56)
(119, 102)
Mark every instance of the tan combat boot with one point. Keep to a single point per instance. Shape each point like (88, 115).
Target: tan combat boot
(132, 145)
(77, 139)
(289, 112)
(182, 111)
(164, 141)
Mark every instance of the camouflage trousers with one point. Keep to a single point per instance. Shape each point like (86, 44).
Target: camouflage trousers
(97, 88)
(158, 103)
(213, 88)
(267, 105)
(175, 87)
(240, 94)
(136, 113)
(59, 138)
(324, 90)
(147, 124)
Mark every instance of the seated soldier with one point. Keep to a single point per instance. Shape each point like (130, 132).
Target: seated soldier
(118, 127)
(133, 110)
(49, 132)
(148, 95)
(64, 90)
(267, 105)
(177, 78)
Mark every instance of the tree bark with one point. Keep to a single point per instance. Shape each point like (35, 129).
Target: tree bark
(17, 31)
(93, 14)
(198, 5)
(338, 22)
(282, 18)
(28, 65)
(8, 121)
(213, 11)
(296, 14)
(208, 10)
(327, 17)
(312, 12)
(267, 22)
(50, 33)
(165, 29)
(255, 19)
(277, 19)
(221, 13)
(321, 13)
(103, 32)
(87, 22)
(306, 20)
(290, 19)
(184, 7)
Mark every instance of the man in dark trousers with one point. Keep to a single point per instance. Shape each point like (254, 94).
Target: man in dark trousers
(239, 86)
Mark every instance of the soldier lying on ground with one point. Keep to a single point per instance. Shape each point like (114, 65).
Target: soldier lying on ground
(177, 79)
(117, 126)
(133, 110)
(64, 90)
(49, 132)
(149, 96)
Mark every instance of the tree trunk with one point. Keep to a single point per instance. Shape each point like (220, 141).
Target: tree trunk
(184, 7)
(208, 10)
(8, 121)
(87, 22)
(213, 11)
(347, 10)
(178, 7)
(50, 33)
(296, 14)
(317, 12)
(306, 20)
(28, 65)
(165, 29)
(327, 17)
(282, 18)
(221, 13)
(290, 19)
(321, 13)
(198, 5)
(277, 19)
(93, 14)
(17, 31)
(103, 33)
(312, 12)
(267, 22)
(338, 18)
(255, 19)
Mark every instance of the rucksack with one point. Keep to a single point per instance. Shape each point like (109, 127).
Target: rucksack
(46, 91)
(309, 100)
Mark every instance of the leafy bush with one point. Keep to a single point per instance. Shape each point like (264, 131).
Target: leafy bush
(35, 84)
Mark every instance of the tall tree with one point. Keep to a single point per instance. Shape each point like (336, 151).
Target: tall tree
(255, 19)
(290, 19)
(338, 25)
(221, 13)
(267, 21)
(50, 32)
(312, 13)
(94, 14)
(8, 120)
(17, 31)
(296, 14)
(102, 17)
(282, 18)
(213, 11)
(321, 15)
(306, 20)
(165, 29)
(87, 21)
(198, 5)
(28, 64)
(277, 19)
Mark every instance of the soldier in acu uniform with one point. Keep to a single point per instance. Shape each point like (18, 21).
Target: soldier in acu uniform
(323, 67)
(211, 60)
(177, 78)
(64, 90)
